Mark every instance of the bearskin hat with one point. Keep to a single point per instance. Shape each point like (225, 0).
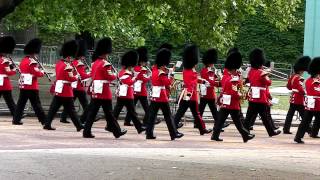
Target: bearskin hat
(143, 54)
(257, 58)
(314, 67)
(104, 46)
(302, 64)
(231, 50)
(190, 56)
(7, 44)
(130, 58)
(267, 64)
(82, 51)
(167, 46)
(69, 49)
(210, 57)
(94, 57)
(163, 57)
(33, 46)
(233, 61)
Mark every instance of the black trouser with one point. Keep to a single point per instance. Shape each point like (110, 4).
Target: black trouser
(235, 115)
(33, 96)
(263, 110)
(7, 96)
(254, 117)
(68, 105)
(129, 104)
(94, 107)
(212, 105)
(82, 96)
(292, 109)
(165, 108)
(305, 124)
(144, 102)
(193, 105)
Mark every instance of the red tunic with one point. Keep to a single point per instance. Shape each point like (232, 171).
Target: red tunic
(29, 66)
(81, 68)
(313, 92)
(259, 83)
(160, 79)
(208, 74)
(229, 89)
(296, 84)
(64, 74)
(127, 79)
(190, 80)
(102, 73)
(143, 78)
(5, 71)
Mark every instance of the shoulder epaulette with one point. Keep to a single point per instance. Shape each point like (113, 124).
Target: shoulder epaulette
(68, 66)
(32, 61)
(106, 63)
(5, 60)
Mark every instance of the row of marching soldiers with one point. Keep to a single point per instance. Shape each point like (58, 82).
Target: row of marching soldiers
(72, 75)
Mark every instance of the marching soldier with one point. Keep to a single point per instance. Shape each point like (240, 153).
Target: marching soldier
(101, 94)
(295, 84)
(160, 96)
(7, 68)
(208, 93)
(189, 96)
(312, 105)
(125, 90)
(78, 86)
(140, 86)
(258, 94)
(230, 99)
(63, 92)
(28, 83)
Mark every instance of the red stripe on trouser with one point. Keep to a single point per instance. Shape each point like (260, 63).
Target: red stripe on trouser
(203, 125)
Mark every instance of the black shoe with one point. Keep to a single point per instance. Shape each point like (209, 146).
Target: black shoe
(249, 137)
(226, 124)
(158, 121)
(205, 131)
(17, 123)
(122, 132)
(49, 128)
(143, 128)
(298, 140)
(80, 128)
(216, 138)
(180, 125)
(150, 137)
(276, 127)
(251, 128)
(195, 126)
(275, 133)
(177, 136)
(89, 135)
(315, 136)
(64, 121)
(127, 124)
(222, 130)
(286, 132)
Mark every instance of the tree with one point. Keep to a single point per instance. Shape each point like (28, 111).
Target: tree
(8, 6)
(209, 23)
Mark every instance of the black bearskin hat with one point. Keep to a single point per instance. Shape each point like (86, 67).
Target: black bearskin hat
(210, 57)
(314, 67)
(302, 64)
(233, 61)
(257, 58)
(267, 64)
(82, 51)
(7, 44)
(143, 54)
(104, 46)
(163, 57)
(69, 49)
(130, 58)
(167, 46)
(231, 50)
(33, 46)
(190, 56)
(94, 57)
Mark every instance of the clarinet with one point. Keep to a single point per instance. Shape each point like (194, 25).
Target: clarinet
(14, 65)
(42, 67)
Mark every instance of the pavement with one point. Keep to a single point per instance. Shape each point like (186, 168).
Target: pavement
(29, 152)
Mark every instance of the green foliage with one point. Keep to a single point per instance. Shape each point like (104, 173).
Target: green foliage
(209, 23)
(280, 46)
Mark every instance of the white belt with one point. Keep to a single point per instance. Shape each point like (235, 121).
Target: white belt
(161, 87)
(65, 82)
(103, 81)
(313, 97)
(23, 74)
(261, 88)
(3, 75)
(295, 90)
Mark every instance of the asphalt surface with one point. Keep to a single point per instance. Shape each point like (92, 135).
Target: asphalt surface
(28, 152)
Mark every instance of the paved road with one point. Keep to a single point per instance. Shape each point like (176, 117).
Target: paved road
(29, 152)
